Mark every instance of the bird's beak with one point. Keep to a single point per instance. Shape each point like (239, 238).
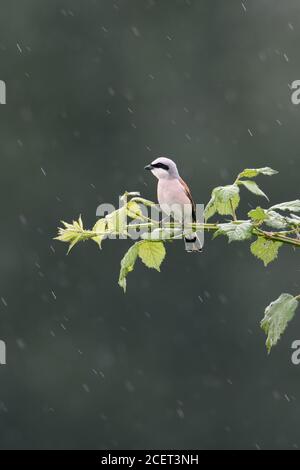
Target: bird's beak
(148, 167)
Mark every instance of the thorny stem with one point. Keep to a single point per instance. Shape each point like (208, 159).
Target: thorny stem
(275, 236)
(287, 232)
(233, 211)
(237, 178)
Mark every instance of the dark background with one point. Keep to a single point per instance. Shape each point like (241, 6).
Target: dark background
(96, 90)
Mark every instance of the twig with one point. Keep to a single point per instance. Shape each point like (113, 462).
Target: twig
(233, 211)
(275, 236)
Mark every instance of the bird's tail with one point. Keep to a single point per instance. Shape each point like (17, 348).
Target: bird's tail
(192, 243)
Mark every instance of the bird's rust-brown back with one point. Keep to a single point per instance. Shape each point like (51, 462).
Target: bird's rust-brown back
(189, 195)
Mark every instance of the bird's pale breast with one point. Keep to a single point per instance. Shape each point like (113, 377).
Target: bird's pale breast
(171, 193)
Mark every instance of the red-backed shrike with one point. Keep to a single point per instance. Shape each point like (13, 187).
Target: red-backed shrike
(175, 199)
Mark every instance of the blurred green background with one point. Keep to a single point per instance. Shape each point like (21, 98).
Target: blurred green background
(95, 90)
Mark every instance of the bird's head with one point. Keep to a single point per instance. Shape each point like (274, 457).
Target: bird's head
(163, 168)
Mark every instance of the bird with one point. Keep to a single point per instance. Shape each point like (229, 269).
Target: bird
(175, 199)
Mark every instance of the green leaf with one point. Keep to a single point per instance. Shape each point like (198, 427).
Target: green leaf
(258, 215)
(100, 226)
(236, 232)
(293, 220)
(75, 240)
(72, 233)
(145, 202)
(152, 253)
(223, 200)
(266, 250)
(210, 208)
(127, 264)
(77, 225)
(252, 172)
(227, 198)
(127, 195)
(271, 218)
(277, 316)
(253, 188)
(292, 206)
(267, 171)
(275, 220)
(116, 221)
(133, 210)
(65, 235)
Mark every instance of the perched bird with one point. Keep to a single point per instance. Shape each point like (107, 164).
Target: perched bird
(175, 199)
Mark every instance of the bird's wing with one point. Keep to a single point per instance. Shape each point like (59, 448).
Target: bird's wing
(189, 195)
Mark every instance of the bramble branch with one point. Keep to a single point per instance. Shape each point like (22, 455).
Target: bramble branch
(272, 228)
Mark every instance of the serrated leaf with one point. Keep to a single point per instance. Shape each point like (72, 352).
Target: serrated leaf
(227, 197)
(292, 206)
(75, 240)
(265, 250)
(271, 218)
(133, 210)
(126, 195)
(72, 233)
(127, 265)
(277, 316)
(210, 208)
(64, 237)
(223, 200)
(145, 202)
(236, 232)
(67, 225)
(252, 172)
(116, 221)
(253, 188)
(100, 226)
(293, 220)
(267, 171)
(152, 253)
(77, 224)
(275, 220)
(258, 214)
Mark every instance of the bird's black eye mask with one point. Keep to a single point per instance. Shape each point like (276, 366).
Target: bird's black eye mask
(160, 165)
